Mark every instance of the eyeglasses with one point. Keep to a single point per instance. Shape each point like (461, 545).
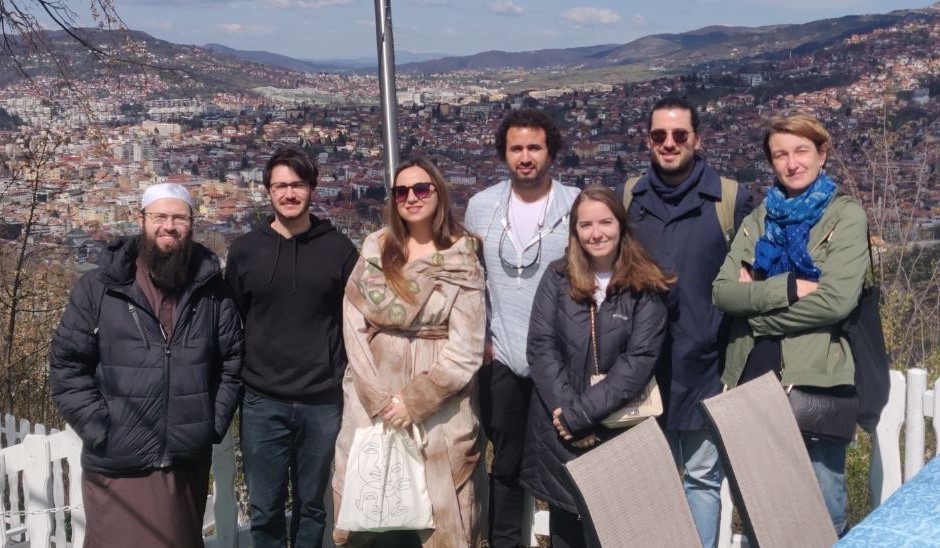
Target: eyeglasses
(519, 267)
(296, 186)
(680, 136)
(175, 220)
(421, 191)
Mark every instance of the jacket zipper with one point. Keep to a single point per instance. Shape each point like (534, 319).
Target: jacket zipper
(184, 318)
(133, 310)
(183, 324)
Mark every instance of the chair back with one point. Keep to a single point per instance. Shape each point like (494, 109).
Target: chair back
(768, 468)
(632, 493)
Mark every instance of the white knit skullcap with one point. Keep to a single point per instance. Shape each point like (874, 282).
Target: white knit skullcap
(165, 190)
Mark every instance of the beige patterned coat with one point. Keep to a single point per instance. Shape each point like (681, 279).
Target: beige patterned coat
(430, 354)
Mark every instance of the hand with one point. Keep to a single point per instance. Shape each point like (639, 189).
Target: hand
(805, 287)
(560, 426)
(590, 441)
(396, 414)
(744, 276)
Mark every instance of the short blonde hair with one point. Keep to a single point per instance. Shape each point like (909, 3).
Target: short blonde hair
(802, 125)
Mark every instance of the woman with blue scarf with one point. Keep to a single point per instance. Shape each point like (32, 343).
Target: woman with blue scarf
(794, 273)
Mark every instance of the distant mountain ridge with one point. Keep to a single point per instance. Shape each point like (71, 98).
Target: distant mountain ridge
(276, 60)
(320, 65)
(215, 67)
(120, 52)
(707, 44)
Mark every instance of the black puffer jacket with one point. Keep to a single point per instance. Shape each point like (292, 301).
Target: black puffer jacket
(630, 328)
(138, 402)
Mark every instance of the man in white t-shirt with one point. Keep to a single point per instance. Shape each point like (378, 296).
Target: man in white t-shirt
(523, 224)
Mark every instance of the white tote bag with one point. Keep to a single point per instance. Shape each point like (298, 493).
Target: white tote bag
(385, 488)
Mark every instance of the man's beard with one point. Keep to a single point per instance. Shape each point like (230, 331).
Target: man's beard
(679, 169)
(169, 270)
(533, 181)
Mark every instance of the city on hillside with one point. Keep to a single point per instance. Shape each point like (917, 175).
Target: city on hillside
(73, 169)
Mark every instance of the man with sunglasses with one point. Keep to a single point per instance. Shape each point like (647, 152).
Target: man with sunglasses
(523, 225)
(288, 276)
(675, 212)
(145, 367)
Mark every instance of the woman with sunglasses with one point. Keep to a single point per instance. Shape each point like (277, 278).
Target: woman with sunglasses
(414, 325)
(794, 273)
(599, 310)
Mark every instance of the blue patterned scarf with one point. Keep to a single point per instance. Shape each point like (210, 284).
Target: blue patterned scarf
(782, 248)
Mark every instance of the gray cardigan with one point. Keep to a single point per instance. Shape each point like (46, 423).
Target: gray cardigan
(509, 291)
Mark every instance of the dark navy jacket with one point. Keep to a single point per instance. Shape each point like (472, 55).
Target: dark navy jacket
(687, 241)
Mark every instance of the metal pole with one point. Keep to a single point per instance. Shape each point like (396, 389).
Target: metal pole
(389, 97)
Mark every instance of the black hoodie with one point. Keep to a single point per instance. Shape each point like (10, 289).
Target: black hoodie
(290, 293)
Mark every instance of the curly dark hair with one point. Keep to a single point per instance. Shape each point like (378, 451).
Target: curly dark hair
(529, 117)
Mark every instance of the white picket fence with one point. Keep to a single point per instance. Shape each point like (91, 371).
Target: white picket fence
(41, 499)
(41, 496)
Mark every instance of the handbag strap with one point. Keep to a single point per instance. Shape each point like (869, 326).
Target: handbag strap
(597, 368)
(871, 256)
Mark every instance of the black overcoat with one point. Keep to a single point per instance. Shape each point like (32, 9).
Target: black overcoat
(630, 331)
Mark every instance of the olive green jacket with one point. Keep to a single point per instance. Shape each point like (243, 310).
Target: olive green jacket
(815, 352)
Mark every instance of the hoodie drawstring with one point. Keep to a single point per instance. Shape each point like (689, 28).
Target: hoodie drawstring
(277, 255)
(294, 288)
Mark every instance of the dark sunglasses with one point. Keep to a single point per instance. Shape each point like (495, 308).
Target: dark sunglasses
(680, 136)
(421, 190)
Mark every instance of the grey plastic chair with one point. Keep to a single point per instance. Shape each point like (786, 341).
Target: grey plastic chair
(632, 493)
(769, 471)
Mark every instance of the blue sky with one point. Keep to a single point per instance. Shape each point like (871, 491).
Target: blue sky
(323, 29)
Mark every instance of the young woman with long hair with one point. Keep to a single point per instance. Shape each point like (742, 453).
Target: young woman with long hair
(598, 310)
(414, 326)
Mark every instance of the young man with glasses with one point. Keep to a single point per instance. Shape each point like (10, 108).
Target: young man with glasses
(145, 367)
(523, 225)
(674, 212)
(288, 276)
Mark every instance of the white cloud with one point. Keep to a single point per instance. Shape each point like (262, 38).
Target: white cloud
(238, 29)
(586, 16)
(814, 4)
(175, 3)
(308, 4)
(506, 8)
(639, 21)
(432, 3)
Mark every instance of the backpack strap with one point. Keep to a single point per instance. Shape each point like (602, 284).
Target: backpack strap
(725, 208)
(628, 192)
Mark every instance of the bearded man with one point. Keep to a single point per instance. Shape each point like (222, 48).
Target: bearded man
(145, 368)
(674, 213)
